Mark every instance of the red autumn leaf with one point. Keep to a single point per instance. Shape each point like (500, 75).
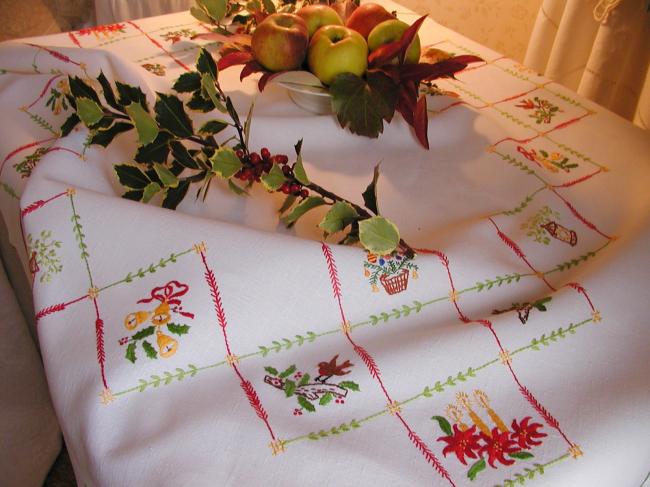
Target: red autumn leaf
(387, 52)
(406, 101)
(426, 71)
(467, 59)
(244, 39)
(266, 77)
(421, 122)
(249, 68)
(234, 58)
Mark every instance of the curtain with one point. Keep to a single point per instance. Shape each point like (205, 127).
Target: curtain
(111, 11)
(599, 48)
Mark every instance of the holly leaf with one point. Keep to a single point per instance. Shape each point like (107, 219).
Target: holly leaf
(149, 350)
(80, 89)
(133, 195)
(306, 405)
(339, 216)
(299, 172)
(363, 105)
(225, 162)
(209, 88)
(215, 8)
(444, 424)
(304, 379)
(109, 95)
(144, 333)
(104, 137)
(286, 373)
(288, 203)
(378, 235)
(289, 387)
(131, 176)
(200, 15)
(521, 455)
(307, 204)
(238, 190)
(150, 191)
(212, 127)
(187, 82)
(177, 329)
(167, 178)
(130, 352)
(370, 194)
(475, 469)
(144, 123)
(70, 123)
(348, 384)
(89, 111)
(157, 151)
(170, 115)
(182, 156)
(130, 94)
(174, 196)
(271, 371)
(205, 64)
(326, 399)
(274, 179)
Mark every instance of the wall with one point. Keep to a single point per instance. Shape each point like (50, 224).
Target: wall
(503, 25)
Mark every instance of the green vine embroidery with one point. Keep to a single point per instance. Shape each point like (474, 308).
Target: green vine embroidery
(531, 473)
(9, 190)
(533, 225)
(27, 165)
(43, 252)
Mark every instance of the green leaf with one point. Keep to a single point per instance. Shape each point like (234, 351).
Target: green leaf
(208, 86)
(157, 151)
(238, 190)
(205, 65)
(299, 172)
(131, 176)
(167, 178)
(289, 387)
(149, 350)
(274, 179)
(130, 352)
(200, 103)
(80, 89)
(378, 235)
(177, 329)
(109, 95)
(150, 191)
(370, 194)
(304, 380)
(286, 373)
(131, 94)
(187, 82)
(144, 333)
(288, 202)
(215, 8)
(326, 399)
(171, 115)
(225, 162)
(444, 424)
(212, 127)
(362, 105)
(145, 125)
(104, 137)
(339, 216)
(200, 15)
(182, 155)
(306, 405)
(307, 204)
(70, 123)
(269, 6)
(348, 384)
(175, 195)
(475, 469)
(89, 111)
(271, 370)
(134, 195)
(521, 455)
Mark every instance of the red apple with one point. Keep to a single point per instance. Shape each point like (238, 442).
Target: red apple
(335, 49)
(366, 17)
(280, 42)
(317, 16)
(391, 31)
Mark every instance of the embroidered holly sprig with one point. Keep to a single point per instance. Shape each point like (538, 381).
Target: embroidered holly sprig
(139, 338)
(172, 155)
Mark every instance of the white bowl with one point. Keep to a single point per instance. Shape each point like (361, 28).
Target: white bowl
(306, 91)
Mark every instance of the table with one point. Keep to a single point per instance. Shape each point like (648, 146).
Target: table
(515, 352)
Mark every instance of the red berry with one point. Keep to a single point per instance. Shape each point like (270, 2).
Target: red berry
(255, 158)
(247, 174)
(295, 188)
(282, 159)
(239, 153)
(285, 188)
(304, 193)
(265, 153)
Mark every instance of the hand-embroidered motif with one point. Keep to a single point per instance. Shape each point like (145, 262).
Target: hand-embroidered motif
(392, 271)
(27, 165)
(168, 297)
(544, 110)
(106, 31)
(553, 162)
(523, 310)
(175, 36)
(156, 68)
(43, 256)
(488, 446)
(544, 223)
(307, 391)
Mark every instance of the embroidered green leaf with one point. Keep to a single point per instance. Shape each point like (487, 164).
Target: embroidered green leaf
(150, 191)
(326, 399)
(305, 205)
(271, 370)
(540, 303)
(145, 125)
(475, 469)
(306, 405)
(274, 179)
(225, 162)
(444, 424)
(286, 373)
(289, 387)
(89, 111)
(130, 352)
(171, 116)
(304, 380)
(187, 82)
(299, 172)
(177, 329)
(370, 194)
(348, 384)
(378, 235)
(144, 333)
(521, 455)
(212, 127)
(339, 216)
(149, 350)
(167, 178)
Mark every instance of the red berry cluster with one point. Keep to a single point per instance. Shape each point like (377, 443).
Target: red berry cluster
(254, 165)
(339, 400)
(297, 412)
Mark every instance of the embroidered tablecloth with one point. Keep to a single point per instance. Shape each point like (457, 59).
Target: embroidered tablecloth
(210, 346)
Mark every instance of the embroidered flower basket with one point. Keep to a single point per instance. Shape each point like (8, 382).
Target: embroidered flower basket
(395, 284)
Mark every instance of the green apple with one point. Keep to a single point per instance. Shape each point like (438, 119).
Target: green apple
(390, 31)
(366, 17)
(317, 16)
(280, 42)
(335, 49)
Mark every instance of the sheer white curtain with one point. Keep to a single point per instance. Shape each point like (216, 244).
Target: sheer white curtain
(600, 48)
(111, 11)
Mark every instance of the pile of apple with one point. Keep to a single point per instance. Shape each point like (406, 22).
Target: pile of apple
(316, 33)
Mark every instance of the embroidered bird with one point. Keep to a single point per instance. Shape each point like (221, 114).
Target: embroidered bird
(328, 369)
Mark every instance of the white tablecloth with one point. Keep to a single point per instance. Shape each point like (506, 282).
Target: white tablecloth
(520, 341)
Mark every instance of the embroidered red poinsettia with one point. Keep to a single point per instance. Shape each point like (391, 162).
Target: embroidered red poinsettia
(498, 446)
(462, 443)
(526, 104)
(526, 434)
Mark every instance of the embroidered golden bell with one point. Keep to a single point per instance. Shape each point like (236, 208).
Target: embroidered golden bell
(166, 345)
(133, 320)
